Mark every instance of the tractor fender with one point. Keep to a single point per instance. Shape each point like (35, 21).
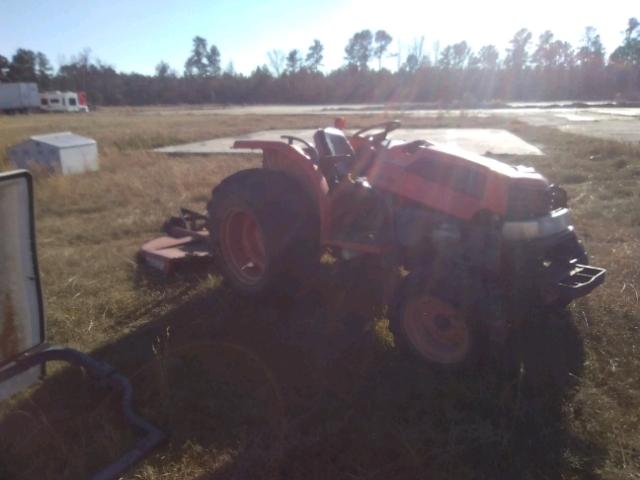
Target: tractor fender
(291, 160)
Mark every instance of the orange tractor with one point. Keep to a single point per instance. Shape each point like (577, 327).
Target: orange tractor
(474, 234)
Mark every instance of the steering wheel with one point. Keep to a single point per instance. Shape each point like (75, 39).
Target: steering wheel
(313, 153)
(380, 136)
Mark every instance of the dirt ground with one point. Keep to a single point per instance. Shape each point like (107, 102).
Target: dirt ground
(312, 386)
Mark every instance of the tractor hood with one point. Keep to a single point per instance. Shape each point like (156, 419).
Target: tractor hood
(461, 183)
(495, 166)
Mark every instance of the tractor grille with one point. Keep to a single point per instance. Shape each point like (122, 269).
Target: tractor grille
(526, 202)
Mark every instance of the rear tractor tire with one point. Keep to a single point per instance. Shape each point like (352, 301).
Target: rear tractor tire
(263, 229)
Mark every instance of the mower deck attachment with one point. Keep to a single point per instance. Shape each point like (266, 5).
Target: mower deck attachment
(186, 242)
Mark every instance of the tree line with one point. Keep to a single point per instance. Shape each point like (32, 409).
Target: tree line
(543, 68)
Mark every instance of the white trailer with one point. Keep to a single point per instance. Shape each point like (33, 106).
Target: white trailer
(63, 102)
(19, 97)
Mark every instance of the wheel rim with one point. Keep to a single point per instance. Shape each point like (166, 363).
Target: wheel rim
(243, 246)
(436, 330)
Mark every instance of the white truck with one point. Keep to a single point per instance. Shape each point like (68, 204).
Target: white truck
(19, 97)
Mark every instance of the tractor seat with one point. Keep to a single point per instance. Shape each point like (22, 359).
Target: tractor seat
(335, 154)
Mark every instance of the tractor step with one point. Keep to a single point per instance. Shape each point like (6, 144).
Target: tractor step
(581, 280)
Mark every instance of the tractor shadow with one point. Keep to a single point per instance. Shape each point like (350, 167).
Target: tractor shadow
(310, 386)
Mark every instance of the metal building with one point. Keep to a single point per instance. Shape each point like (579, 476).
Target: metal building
(63, 152)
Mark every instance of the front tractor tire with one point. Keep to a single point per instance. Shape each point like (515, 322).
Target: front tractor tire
(263, 227)
(427, 324)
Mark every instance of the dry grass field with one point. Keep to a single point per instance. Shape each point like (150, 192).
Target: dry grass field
(311, 387)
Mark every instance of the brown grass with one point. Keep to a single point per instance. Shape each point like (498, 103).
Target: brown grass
(312, 387)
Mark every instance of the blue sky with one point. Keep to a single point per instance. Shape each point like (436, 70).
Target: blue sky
(135, 35)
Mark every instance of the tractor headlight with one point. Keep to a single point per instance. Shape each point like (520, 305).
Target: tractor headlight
(556, 222)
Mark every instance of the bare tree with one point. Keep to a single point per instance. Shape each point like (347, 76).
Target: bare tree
(416, 57)
(276, 61)
(398, 56)
(230, 69)
(435, 51)
(417, 49)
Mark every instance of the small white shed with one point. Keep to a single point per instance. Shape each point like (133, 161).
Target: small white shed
(62, 152)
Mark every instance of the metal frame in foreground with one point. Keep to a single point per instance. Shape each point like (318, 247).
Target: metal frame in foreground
(36, 353)
(104, 374)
